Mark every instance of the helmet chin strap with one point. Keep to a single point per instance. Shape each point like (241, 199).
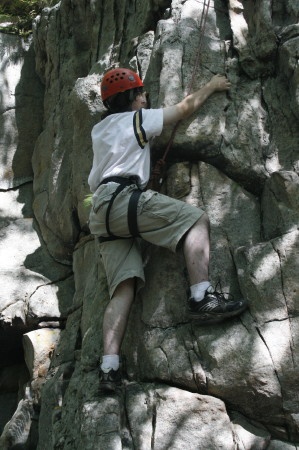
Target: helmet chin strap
(106, 104)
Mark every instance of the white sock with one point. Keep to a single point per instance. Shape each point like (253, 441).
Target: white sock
(110, 362)
(198, 290)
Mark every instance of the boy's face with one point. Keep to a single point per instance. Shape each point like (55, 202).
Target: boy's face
(140, 102)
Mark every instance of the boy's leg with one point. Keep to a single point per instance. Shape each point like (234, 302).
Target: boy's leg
(196, 249)
(116, 316)
(123, 265)
(165, 221)
(114, 326)
(205, 305)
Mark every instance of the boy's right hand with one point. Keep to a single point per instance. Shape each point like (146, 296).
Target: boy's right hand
(219, 83)
(192, 102)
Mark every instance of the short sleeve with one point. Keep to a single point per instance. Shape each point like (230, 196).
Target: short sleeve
(152, 122)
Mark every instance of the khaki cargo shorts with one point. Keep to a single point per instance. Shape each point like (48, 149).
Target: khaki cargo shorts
(162, 220)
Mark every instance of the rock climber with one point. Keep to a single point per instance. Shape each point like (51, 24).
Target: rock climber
(122, 210)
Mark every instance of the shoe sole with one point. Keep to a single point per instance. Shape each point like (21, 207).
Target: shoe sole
(209, 318)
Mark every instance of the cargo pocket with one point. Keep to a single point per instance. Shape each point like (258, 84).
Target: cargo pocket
(160, 206)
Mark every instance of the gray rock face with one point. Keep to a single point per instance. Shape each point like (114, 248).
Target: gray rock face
(232, 386)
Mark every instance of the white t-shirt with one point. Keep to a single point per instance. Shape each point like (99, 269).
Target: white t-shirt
(121, 145)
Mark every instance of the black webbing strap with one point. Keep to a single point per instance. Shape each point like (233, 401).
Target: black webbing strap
(132, 208)
(119, 180)
(132, 213)
(114, 195)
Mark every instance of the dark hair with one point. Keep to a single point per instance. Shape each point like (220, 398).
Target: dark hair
(121, 102)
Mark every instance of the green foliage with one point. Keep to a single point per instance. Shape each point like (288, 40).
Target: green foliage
(20, 14)
(87, 201)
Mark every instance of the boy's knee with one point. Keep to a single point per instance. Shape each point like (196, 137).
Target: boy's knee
(202, 225)
(204, 219)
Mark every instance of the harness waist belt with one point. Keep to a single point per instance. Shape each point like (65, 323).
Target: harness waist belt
(120, 180)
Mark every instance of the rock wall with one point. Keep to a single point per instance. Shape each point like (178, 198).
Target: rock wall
(231, 386)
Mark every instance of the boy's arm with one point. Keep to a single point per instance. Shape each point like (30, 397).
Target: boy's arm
(192, 102)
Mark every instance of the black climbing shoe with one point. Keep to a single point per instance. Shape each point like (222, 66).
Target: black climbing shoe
(215, 307)
(109, 381)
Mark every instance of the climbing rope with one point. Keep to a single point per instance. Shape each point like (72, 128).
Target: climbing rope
(157, 177)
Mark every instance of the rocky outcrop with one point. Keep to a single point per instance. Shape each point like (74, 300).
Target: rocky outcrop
(228, 386)
(36, 290)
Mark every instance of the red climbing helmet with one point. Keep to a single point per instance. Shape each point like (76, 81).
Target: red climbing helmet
(119, 80)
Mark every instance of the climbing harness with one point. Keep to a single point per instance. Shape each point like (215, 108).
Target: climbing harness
(132, 207)
(157, 175)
